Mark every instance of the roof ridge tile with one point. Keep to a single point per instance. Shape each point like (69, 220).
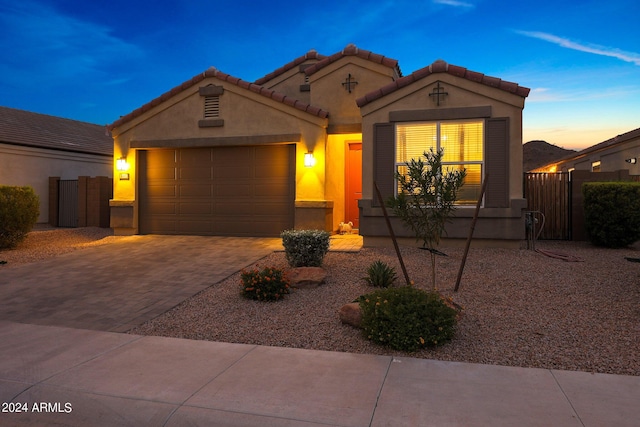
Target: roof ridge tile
(440, 66)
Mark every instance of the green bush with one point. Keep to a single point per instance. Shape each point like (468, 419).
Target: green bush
(305, 248)
(380, 275)
(612, 213)
(19, 210)
(268, 284)
(407, 318)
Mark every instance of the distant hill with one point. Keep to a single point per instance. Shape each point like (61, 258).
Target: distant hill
(539, 153)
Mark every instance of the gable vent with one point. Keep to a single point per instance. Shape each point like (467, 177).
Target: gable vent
(211, 107)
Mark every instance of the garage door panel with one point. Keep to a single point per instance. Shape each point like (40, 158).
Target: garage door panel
(197, 227)
(195, 173)
(195, 157)
(271, 190)
(234, 209)
(229, 171)
(194, 190)
(162, 191)
(164, 208)
(162, 157)
(161, 173)
(194, 208)
(231, 191)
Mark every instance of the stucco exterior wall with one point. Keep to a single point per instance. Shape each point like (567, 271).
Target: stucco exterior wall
(329, 93)
(26, 166)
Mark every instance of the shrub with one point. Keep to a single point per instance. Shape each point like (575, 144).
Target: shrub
(305, 248)
(612, 213)
(19, 210)
(407, 318)
(268, 284)
(380, 275)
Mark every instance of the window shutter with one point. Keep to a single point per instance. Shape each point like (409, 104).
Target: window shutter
(497, 163)
(383, 160)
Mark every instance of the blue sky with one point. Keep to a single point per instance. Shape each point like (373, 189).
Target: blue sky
(96, 60)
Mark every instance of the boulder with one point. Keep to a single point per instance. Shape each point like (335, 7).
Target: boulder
(307, 277)
(351, 314)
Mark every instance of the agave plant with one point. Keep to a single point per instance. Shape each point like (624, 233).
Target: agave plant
(380, 275)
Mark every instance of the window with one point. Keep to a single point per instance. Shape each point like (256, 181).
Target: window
(595, 166)
(461, 141)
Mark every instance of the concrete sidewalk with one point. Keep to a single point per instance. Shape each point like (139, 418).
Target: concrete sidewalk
(78, 377)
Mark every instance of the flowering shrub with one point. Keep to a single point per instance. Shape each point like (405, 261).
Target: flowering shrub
(268, 284)
(305, 248)
(407, 318)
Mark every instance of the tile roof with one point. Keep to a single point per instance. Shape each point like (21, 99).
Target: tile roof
(24, 128)
(441, 66)
(312, 54)
(616, 140)
(353, 50)
(213, 72)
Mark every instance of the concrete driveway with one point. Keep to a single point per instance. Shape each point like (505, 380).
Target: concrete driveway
(120, 285)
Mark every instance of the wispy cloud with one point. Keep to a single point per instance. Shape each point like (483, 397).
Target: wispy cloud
(455, 3)
(43, 40)
(595, 49)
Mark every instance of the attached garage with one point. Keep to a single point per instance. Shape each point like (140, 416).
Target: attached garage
(217, 191)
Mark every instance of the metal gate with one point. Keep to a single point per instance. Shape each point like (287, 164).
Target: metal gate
(68, 203)
(549, 196)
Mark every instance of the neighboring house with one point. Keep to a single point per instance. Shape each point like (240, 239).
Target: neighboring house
(34, 147)
(302, 147)
(618, 153)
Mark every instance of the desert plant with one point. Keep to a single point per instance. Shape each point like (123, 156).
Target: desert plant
(407, 318)
(305, 248)
(268, 284)
(426, 199)
(380, 275)
(612, 213)
(19, 210)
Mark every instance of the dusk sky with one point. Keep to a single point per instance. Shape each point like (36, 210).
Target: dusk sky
(95, 60)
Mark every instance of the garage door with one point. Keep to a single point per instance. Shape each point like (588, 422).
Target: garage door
(221, 191)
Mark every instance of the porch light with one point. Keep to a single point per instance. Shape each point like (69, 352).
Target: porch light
(632, 160)
(309, 160)
(121, 164)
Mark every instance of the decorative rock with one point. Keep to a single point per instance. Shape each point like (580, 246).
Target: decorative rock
(351, 314)
(307, 277)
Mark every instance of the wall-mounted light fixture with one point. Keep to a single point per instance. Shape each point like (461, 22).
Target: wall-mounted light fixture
(121, 164)
(309, 160)
(632, 160)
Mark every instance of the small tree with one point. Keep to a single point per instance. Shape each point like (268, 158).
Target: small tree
(426, 199)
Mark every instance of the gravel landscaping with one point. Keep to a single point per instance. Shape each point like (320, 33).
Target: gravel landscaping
(521, 308)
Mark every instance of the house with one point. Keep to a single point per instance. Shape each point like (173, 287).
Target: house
(621, 152)
(35, 147)
(302, 147)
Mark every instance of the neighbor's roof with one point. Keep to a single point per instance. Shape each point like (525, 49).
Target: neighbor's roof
(24, 128)
(353, 50)
(616, 140)
(441, 66)
(213, 72)
(312, 54)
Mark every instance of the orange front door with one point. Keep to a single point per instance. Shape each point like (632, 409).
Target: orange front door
(353, 183)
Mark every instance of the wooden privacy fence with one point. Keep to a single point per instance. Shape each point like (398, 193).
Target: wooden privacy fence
(80, 203)
(549, 197)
